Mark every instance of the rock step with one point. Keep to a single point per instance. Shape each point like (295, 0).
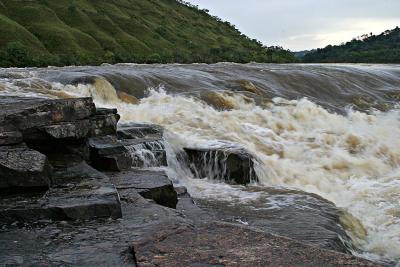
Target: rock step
(111, 154)
(78, 192)
(150, 184)
(228, 163)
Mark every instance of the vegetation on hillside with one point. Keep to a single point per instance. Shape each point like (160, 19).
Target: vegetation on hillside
(82, 32)
(368, 48)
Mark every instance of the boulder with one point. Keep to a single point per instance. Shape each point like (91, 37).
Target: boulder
(228, 163)
(153, 185)
(21, 167)
(107, 153)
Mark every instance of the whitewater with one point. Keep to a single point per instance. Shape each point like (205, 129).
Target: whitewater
(330, 130)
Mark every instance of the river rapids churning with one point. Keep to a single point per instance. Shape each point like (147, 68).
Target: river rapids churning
(332, 130)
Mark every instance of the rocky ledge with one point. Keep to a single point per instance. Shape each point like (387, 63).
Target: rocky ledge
(73, 192)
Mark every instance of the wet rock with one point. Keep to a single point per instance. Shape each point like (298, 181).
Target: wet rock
(140, 131)
(75, 130)
(26, 113)
(153, 185)
(231, 164)
(104, 122)
(181, 190)
(221, 244)
(107, 153)
(10, 136)
(298, 215)
(21, 167)
(146, 152)
(78, 192)
(100, 242)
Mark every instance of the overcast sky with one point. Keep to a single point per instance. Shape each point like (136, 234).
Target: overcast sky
(306, 24)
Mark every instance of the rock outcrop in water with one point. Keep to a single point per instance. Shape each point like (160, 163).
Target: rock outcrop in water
(232, 164)
(58, 208)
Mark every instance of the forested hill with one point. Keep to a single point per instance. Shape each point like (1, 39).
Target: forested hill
(81, 32)
(383, 48)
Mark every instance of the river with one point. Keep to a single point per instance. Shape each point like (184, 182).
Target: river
(331, 130)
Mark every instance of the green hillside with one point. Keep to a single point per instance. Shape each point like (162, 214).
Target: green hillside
(65, 32)
(369, 48)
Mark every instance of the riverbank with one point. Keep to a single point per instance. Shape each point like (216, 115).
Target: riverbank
(78, 190)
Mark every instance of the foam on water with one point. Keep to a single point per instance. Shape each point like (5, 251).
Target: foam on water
(351, 160)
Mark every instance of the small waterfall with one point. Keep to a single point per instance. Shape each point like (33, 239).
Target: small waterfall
(148, 153)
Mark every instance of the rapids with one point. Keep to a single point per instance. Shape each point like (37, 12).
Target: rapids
(332, 130)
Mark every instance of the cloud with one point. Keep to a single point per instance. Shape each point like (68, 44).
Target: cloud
(306, 24)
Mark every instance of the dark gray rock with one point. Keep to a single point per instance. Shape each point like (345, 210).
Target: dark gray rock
(104, 122)
(153, 185)
(107, 153)
(139, 131)
(21, 167)
(27, 113)
(222, 244)
(78, 192)
(9, 136)
(74, 130)
(298, 215)
(100, 242)
(228, 163)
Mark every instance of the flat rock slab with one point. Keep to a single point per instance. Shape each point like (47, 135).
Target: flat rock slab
(100, 242)
(298, 215)
(220, 244)
(21, 167)
(78, 192)
(25, 113)
(150, 184)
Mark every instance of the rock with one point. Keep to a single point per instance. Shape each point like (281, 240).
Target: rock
(298, 215)
(107, 153)
(21, 167)
(153, 185)
(222, 244)
(225, 163)
(146, 152)
(140, 131)
(78, 192)
(100, 242)
(145, 143)
(75, 130)
(181, 190)
(41, 119)
(26, 113)
(10, 137)
(104, 122)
